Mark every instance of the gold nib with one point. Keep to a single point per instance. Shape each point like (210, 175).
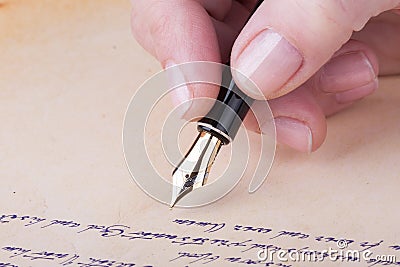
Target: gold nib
(192, 171)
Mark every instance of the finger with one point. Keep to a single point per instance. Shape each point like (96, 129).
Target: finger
(279, 53)
(351, 74)
(299, 120)
(382, 35)
(305, 130)
(162, 27)
(300, 115)
(177, 31)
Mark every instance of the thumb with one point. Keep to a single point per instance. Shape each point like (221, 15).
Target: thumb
(286, 42)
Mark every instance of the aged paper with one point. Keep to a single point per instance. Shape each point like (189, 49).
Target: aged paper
(67, 72)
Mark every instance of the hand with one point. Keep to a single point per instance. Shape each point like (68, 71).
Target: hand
(311, 58)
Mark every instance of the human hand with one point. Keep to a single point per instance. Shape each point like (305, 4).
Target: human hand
(306, 56)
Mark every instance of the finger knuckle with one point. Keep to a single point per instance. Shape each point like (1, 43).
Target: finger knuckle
(337, 12)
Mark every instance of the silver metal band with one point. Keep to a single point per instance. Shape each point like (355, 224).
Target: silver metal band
(215, 130)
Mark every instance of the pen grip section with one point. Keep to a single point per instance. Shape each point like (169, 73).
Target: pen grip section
(226, 115)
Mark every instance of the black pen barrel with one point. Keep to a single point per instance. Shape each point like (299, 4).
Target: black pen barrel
(225, 117)
(227, 114)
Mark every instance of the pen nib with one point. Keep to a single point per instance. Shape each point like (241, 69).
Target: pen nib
(192, 171)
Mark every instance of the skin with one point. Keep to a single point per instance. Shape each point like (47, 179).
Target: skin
(333, 52)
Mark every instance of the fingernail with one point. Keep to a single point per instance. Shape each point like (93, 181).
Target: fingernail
(270, 61)
(181, 95)
(294, 133)
(357, 93)
(346, 72)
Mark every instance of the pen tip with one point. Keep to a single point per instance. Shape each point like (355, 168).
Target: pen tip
(172, 204)
(193, 170)
(178, 193)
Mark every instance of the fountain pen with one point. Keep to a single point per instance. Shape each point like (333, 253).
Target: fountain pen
(219, 127)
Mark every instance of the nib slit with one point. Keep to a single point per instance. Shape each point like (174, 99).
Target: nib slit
(192, 172)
